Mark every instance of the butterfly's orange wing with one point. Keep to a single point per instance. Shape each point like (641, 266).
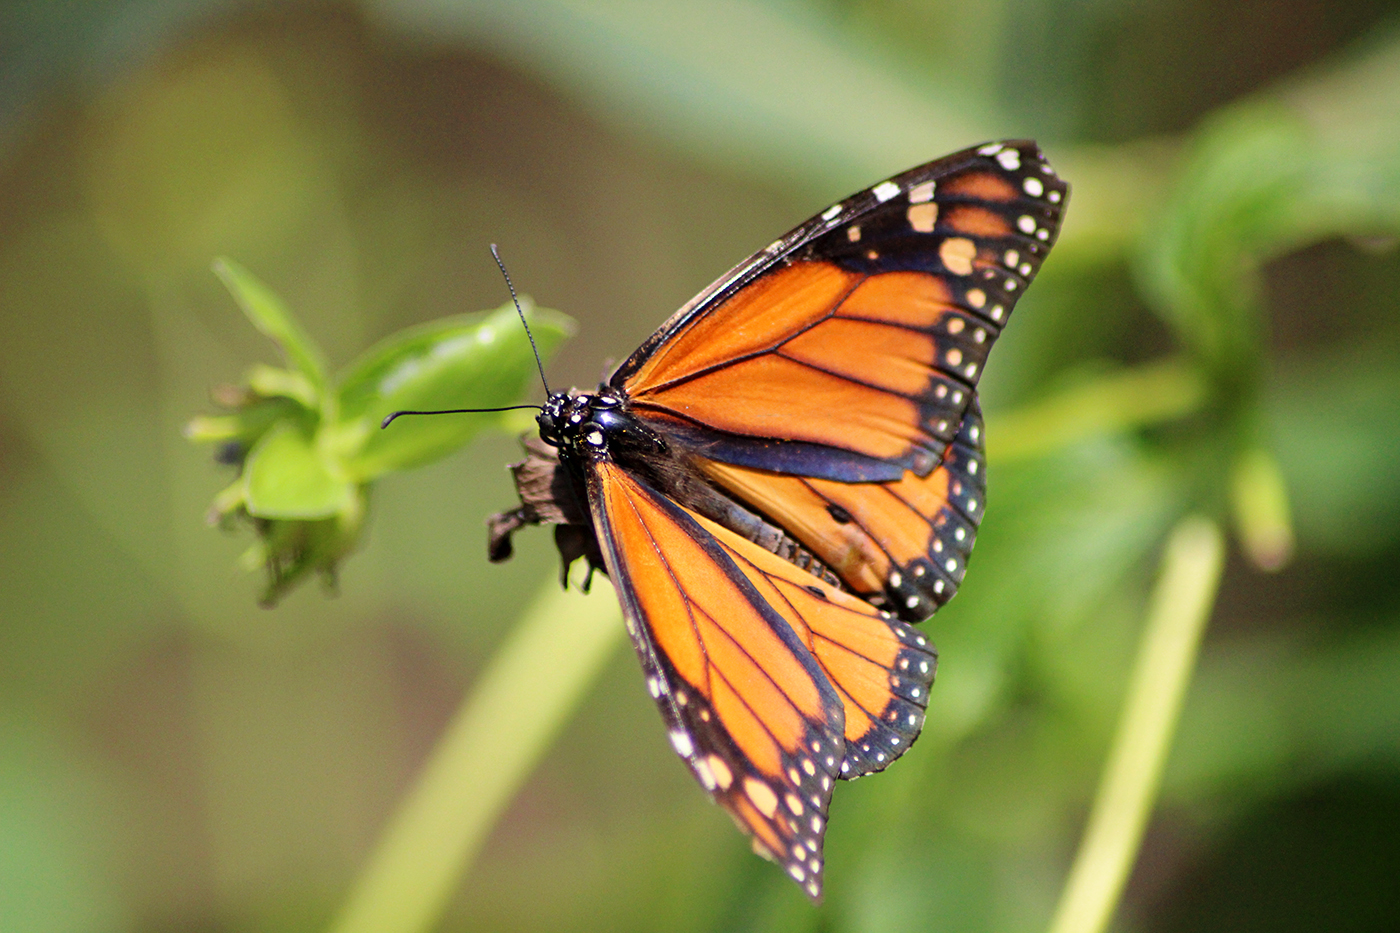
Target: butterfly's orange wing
(772, 682)
(909, 538)
(851, 349)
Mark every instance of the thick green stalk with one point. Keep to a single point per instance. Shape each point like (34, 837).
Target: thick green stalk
(1180, 606)
(1120, 401)
(504, 726)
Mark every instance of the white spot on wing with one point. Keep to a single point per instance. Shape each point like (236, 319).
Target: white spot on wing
(680, 740)
(884, 191)
(723, 776)
(762, 796)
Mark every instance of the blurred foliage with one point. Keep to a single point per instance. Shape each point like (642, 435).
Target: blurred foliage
(307, 451)
(1215, 332)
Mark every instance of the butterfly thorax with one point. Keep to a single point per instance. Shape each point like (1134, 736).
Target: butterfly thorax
(580, 428)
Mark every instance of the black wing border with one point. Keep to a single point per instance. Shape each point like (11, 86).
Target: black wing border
(782, 250)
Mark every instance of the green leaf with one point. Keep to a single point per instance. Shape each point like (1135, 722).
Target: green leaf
(1233, 205)
(271, 317)
(286, 477)
(1260, 183)
(272, 382)
(472, 361)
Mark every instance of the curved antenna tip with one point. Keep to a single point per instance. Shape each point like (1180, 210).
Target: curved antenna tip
(457, 411)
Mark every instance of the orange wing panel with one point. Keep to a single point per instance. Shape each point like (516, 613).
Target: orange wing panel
(901, 539)
(979, 221)
(878, 365)
(983, 185)
(906, 355)
(791, 502)
(747, 705)
(770, 396)
(909, 299)
(881, 667)
(797, 682)
(753, 321)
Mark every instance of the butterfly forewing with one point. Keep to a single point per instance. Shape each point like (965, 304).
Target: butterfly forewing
(771, 681)
(850, 349)
(747, 705)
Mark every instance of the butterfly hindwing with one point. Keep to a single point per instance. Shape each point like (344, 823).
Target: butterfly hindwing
(908, 539)
(881, 668)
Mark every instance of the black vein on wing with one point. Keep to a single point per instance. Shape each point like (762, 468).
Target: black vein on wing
(854, 520)
(753, 355)
(692, 608)
(685, 597)
(777, 583)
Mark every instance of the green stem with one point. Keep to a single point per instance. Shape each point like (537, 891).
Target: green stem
(1120, 401)
(1180, 606)
(491, 745)
(1259, 500)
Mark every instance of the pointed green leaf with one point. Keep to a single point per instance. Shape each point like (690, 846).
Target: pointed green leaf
(271, 317)
(285, 477)
(273, 382)
(472, 361)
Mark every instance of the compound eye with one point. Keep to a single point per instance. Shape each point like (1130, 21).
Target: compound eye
(549, 430)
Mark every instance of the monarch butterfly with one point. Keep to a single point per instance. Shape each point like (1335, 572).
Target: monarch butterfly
(790, 471)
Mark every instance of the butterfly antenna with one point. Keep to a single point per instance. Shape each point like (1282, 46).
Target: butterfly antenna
(495, 253)
(535, 349)
(456, 411)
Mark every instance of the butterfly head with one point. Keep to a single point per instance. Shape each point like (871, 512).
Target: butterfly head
(551, 417)
(595, 423)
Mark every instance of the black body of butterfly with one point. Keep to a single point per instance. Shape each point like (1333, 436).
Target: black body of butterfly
(790, 472)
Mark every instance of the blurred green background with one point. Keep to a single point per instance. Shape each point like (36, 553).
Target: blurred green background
(173, 758)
